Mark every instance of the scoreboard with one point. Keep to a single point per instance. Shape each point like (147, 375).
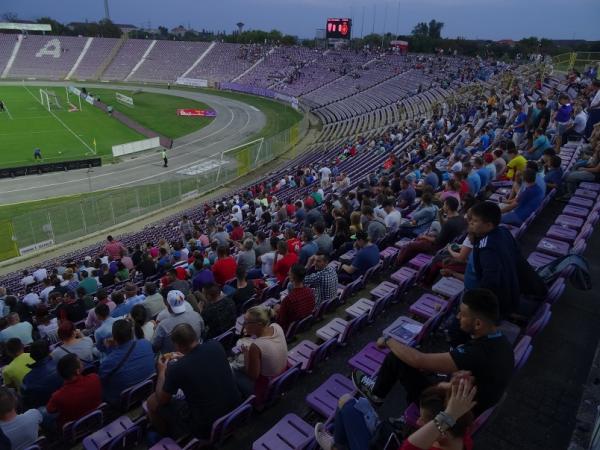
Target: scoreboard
(338, 28)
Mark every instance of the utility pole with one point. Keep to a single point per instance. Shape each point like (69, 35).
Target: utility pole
(374, 15)
(384, 23)
(362, 23)
(106, 10)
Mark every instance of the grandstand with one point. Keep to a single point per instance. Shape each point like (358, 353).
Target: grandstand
(389, 125)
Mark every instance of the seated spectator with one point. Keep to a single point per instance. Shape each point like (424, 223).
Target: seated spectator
(473, 179)
(244, 290)
(500, 163)
(17, 329)
(453, 226)
(203, 275)
(375, 226)
(20, 429)
(527, 201)
(367, 256)
(174, 283)
(323, 280)
(554, 175)
(516, 164)
(147, 266)
(265, 356)
(106, 277)
(309, 246)
(246, 257)
(142, 327)
(421, 218)
(219, 313)
(488, 356)
(203, 374)
(484, 173)
(14, 372)
(71, 308)
(73, 342)
(121, 308)
(540, 143)
(154, 302)
(225, 266)
(79, 395)
(92, 322)
(407, 194)
(42, 380)
(177, 311)
(283, 261)
(130, 362)
(322, 239)
(103, 331)
(299, 303)
(589, 172)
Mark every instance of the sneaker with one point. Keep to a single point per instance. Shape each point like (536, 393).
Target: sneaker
(324, 439)
(364, 384)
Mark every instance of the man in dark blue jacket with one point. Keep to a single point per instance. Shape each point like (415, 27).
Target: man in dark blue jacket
(42, 380)
(495, 256)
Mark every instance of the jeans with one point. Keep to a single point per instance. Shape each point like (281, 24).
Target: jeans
(254, 274)
(393, 369)
(511, 218)
(350, 431)
(533, 156)
(517, 138)
(575, 177)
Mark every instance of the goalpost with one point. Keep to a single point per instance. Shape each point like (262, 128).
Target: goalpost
(49, 100)
(77, 93)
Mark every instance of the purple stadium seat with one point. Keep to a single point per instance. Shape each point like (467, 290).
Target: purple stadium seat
(324, 399)
(539, 320)
(553, 247)
(225, 426)
(537, 259)
(136, 394)
(298, 326)
(581, 201)
(402, 242)
(420, 262)
(449, 287)
(569, 221)
(404, 276)
(102, 438)
(342, 329)
(290, 433)
(556, 290)
(384, 289)
(522, 351)
(170, 444)
(308, 354)
(428, 305)
(590, 186)
(586, 193)
(412, 414)
(75, 430)
(346, 291)
(407, 330)
(281, 384)
(369, 359)
(576, 211)
(387, 256)
(347, 257)
(227, 339)
(510, 330)
(562, 233)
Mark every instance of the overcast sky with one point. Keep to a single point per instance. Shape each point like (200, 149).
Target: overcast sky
(489, 19)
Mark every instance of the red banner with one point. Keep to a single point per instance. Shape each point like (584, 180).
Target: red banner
(197, 112)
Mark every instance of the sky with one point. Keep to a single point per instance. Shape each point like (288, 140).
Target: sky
(473, 19)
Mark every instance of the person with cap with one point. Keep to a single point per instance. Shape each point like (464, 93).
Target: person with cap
(130, 361)
(177, 311)
(367, 256)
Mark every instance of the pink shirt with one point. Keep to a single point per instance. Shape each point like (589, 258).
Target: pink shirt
(113, 249)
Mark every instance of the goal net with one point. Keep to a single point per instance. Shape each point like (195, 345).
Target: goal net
(49, 100)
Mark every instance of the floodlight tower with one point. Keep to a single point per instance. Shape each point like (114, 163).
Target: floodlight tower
(240, 26)
(106, 10)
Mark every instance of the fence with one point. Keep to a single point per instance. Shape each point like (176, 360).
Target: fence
(101, 210)
(579, 61)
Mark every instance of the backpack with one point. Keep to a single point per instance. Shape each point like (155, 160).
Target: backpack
(580, 277)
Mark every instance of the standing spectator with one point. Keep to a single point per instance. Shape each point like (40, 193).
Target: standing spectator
(20, 429)
(203, 374)
(203, 276)
(518, 125)
(299, 303)
(324, 280)
(129, 362)
(178, 311)
(113, 248)
(42, 380)
(79, 395)
(14, 372)
(246, 257)
(562, 118)
(218, 312)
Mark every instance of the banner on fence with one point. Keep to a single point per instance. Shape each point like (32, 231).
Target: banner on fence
(35, 247)
(196, 82)
(197, 112)
(136, 146)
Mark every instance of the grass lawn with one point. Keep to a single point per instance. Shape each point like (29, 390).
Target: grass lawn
(61, 135)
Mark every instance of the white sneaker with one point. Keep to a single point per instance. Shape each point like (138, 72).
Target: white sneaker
(324, 439)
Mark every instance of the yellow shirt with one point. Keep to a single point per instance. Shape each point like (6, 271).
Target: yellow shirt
(14, 372)
(517, 164)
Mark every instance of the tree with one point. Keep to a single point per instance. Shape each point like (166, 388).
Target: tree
(289, 40)
(435, 29)
(10, 17)
(57, 27)
(421, 30)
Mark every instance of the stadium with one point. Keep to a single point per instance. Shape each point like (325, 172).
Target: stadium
(250, 240)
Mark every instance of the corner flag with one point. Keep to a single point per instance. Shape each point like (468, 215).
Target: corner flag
(95, 149)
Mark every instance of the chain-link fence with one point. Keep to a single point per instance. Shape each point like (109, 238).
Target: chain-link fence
(76, 218)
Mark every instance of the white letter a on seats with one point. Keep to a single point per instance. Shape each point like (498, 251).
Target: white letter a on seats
(51, 48)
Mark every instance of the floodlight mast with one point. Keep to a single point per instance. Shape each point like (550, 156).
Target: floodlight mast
(106, 10)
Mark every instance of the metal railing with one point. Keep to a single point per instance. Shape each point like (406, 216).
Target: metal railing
(104, 209)
(576, 60)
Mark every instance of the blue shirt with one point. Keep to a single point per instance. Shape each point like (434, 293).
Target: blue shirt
(432, 180)
(40, 383)
(125, 308)
(138, 367)
(539, 180)
(554, 176)
(484, 176)
(541, 143)
(484, 141)
(474, 182)
(528, 201)
(102, 332)
(519, 123)
(308, 249)
(365, 258)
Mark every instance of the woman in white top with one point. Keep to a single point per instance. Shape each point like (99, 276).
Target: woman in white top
(266, 355)
(144, 328)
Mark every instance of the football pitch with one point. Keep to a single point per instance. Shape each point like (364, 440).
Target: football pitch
(62, 134)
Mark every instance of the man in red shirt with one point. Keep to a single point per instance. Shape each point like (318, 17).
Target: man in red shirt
(237, 234)
(113, 248)
(293, 243)
(284, 260)
(225, 267)
(78, 396)
(300, 302)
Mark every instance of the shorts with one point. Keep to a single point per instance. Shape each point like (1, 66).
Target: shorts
(180, 421)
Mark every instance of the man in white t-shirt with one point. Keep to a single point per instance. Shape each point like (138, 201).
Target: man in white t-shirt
(31, 299)
(27, 278)
(39, 274)
(393, 219)
(20, 429)
(325, 173)
(48, 287)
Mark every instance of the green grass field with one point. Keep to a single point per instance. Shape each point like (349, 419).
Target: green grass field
(63, 135)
